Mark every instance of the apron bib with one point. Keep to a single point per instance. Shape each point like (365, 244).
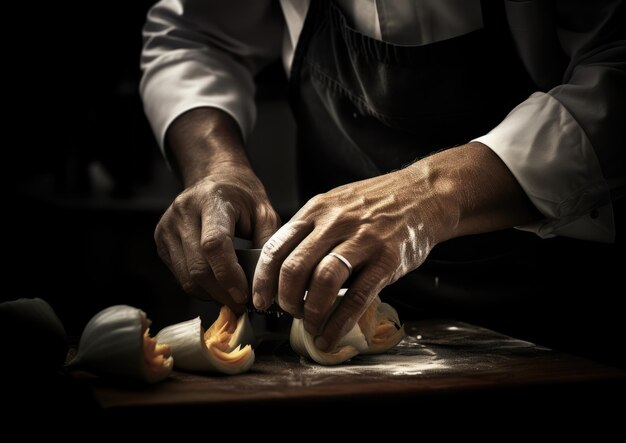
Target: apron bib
(364, 107)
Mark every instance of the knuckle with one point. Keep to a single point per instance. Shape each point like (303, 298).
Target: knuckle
(327, 276)
(274, 245)
(314, 202)
(271, 248)
(292, 269)
(198, 270)
(267, 214)
(313, 205)
(180, 204)
(273, 215)
(220, 271)
(188, 199)
(357, 300)
(368, 236)
(212, 242)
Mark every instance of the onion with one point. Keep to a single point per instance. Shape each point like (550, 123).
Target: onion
(225, 347)
(377, 331)
(116, 342)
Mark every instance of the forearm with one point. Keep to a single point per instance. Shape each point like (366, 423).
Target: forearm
(202, 140)
(475, 192)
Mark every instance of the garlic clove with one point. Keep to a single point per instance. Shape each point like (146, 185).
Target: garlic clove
(116, 342)
(377, 331)
(225, 347)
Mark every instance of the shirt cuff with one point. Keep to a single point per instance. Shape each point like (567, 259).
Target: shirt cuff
(553, 160)
(182, 80)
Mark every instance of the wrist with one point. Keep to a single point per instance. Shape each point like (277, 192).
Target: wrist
(473, 192)
(434, 201)
(206, 142)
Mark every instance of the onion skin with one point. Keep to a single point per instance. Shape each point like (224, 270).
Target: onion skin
(116, 343)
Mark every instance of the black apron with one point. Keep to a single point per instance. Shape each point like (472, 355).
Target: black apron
(364, 107)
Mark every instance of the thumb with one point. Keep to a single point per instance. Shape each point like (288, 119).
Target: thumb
(266, 223)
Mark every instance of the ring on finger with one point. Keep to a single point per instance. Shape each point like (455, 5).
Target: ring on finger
(343, 260)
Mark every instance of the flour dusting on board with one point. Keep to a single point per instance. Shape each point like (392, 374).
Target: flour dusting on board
(408, 358)
(378, 366)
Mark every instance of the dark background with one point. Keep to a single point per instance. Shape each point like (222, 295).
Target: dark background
(85, 185)
(84, 181)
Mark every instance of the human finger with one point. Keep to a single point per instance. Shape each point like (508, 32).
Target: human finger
(353, 304)
(274, 252)
(328, 278)
(216, 245)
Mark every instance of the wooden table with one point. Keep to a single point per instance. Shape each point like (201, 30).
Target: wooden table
(440, 362)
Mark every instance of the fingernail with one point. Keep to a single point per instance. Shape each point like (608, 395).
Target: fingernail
(321, 343)
(258, 301)
(237, 295)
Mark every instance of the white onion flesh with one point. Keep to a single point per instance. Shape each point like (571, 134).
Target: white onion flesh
(377, 331)
(226, 347)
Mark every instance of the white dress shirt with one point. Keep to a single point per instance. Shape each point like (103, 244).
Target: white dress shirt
(206, 52)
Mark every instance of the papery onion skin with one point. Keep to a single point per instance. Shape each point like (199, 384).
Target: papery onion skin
(116, 343)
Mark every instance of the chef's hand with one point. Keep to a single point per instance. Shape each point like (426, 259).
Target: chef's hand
(195, 235)
(223, 198)
(384, 227)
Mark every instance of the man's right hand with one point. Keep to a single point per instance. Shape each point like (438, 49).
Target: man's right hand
(223, 198)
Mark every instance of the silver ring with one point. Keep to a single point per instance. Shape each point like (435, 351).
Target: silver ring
(343, 260)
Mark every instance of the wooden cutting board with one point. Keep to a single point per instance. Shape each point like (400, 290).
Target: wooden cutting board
(437, 357)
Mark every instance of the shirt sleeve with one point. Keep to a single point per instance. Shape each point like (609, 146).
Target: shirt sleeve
(566, 146)
(200, 53)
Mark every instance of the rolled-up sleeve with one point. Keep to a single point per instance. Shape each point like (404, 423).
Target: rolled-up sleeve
(566, 146)
(201, 53)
